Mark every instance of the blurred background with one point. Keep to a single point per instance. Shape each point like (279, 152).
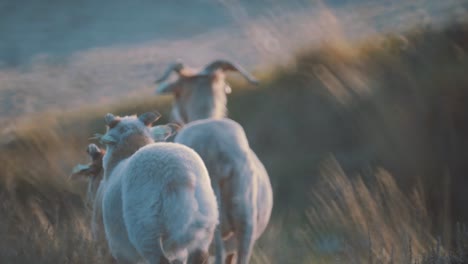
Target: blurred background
(360, 117)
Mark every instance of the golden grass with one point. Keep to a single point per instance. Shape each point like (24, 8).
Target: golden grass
(352, 220)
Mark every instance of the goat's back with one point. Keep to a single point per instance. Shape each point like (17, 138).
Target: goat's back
(223, 146)
(167, 195)
(221, 143)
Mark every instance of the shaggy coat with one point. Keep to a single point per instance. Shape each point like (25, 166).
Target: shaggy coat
(239, 179)
(240, 182)
(157, 200)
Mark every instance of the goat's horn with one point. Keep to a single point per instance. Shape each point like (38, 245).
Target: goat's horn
(229, 66)
(174, 67)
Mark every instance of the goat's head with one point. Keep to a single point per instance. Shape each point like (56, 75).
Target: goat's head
(93, 169)
(162, 132)
(128, 133)
(200, 94)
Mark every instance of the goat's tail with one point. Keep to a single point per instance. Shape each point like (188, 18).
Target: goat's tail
(161, 248)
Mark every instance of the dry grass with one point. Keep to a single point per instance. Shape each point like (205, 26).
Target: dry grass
(44, 216)
(364, 219)
(369, 220)
(360, 220)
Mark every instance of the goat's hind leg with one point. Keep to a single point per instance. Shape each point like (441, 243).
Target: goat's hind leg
(230, 258)
(156, 260)
(164, 260)
(244, 229)
(199, 257)
(220, 254)
(244, 233)
(154, 256)
(242, 215)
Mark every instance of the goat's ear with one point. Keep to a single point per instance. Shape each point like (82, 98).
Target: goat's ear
(93, 150)
(111, 120)
(163, 132)
(108, 139)
(81, 170)
(149, 117)
(168, 87)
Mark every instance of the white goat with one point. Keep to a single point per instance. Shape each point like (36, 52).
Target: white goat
(199, 94)
(93, 172)
(157, 201)
(239, 179)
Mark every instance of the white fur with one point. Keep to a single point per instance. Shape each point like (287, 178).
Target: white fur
(239, 180)
(200, 98)
(157, 200)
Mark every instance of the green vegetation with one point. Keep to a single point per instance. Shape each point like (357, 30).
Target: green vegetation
(366, 145)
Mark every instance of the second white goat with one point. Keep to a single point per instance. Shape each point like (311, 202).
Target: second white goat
(240, 182)
(157, 200)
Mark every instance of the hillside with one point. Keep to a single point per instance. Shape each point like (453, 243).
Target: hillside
(63, 54)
